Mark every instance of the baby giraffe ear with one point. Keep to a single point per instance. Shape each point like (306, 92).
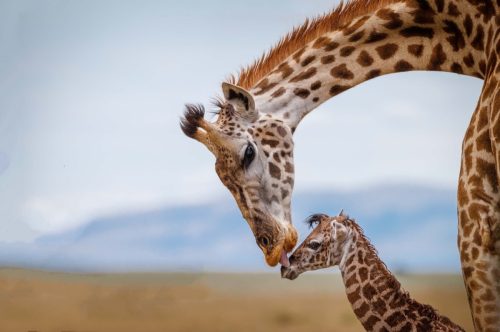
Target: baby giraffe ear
(241, 99)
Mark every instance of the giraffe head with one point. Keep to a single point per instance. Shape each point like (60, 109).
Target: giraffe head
(254, 160)
(322, 248)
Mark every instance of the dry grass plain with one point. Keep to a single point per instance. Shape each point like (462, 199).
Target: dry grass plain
(141, 302)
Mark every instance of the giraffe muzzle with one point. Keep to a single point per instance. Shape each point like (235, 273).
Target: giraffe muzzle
(278, 254)
(290, 272)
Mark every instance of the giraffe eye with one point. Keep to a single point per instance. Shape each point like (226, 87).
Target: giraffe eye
(314, 245)
(249, 156)
(264, 241)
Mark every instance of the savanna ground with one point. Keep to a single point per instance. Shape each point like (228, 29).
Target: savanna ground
(45, 301)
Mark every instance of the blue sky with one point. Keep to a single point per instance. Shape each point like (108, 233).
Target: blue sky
(91, 93)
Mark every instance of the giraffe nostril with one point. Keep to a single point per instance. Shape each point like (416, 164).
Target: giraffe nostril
(283, 271)
(289, 273)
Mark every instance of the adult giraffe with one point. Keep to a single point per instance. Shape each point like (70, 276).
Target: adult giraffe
(252, 137)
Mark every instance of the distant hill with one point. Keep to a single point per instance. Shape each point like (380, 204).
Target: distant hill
(414, 229)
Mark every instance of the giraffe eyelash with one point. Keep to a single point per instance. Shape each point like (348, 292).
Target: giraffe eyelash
(219, 104)
(315, 219)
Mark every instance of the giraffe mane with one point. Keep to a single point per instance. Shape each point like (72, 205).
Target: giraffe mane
(371, 248)
(301, 35)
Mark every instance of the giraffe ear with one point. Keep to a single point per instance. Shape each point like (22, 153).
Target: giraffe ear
(241, 99)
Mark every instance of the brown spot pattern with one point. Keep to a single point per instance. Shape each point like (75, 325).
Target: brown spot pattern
(302, 93)
(331, 46)
(342, 72)
(304, 75)
(438, 57)
(264, 86)
(468, 25)
(274, 171)
(278, 92)
(357, 36)
(417, 31)
(394, 21)
(327, 59)
(478, 41)
(375, 37)
(373, 73)
(440, 5)
(337, 88)
(386, 51)
(453, 10)
(416, 49)
(402, 65)
(364, 59)
(307, 60)
(316, 85)
(455, 37)
(271, 142)
(346, 51)
(456, 68)
(285, 70)
(281, 131)
(469, 60)
(424, 14)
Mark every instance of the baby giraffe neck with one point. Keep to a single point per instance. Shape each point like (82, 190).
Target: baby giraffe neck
(376, 296)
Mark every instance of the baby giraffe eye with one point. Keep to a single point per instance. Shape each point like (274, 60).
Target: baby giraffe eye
(314, 245)
(249, 156)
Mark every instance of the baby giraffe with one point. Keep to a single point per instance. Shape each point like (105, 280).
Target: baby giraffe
(375, 295)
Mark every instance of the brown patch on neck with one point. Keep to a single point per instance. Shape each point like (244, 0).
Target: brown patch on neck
(337, 19)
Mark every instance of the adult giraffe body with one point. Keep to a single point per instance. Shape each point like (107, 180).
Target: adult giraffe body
(252, 137)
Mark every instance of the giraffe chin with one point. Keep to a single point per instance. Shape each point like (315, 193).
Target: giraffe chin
(289, 273)
(274, 257)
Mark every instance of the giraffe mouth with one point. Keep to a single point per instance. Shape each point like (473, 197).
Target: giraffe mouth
(275, 256)
(279, 253)
(289, 273)
(284, 259)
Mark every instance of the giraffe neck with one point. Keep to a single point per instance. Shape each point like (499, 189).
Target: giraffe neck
(371, 289)
(399, 36)
(376, 296)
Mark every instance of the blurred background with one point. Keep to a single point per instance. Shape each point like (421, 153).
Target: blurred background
(97, 177)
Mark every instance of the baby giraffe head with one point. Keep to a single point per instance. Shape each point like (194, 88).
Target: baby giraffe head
(323, 247)
(254, 160)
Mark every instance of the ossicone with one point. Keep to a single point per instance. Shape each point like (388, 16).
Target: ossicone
(343, 215)
(191, 120)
